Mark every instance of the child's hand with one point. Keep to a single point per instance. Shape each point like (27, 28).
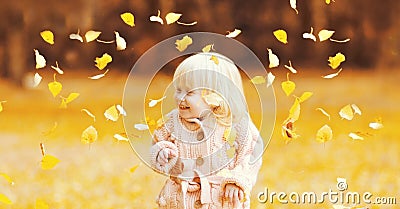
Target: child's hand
(234, 194)
(166, 154)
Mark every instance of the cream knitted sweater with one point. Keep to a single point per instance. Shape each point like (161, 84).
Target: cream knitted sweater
(203, 167)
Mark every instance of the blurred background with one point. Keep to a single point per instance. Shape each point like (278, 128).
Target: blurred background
(107, 173)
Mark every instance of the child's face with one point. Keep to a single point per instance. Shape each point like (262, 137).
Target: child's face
(190, 103)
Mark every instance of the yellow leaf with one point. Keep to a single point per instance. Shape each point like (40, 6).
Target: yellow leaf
(258, 79)
(306, 95)
(1, 106)
(89, 135)
(273, 59)
(328, 1)
(76, 36)
(325, 34)
(41, 204)
(182, 44)
(91, 35)
(47, 36)
(208, 48)
(294, 111)
(310, 35)
(112, 113)
(157, 18)
(333, 74)
(120, 137)
(55, 87)
(121, 43)
(172, 17)
(335, 61)
(95, 77)
(89, 113)
(355, 136)
(290, 67)
(288, 86)
(346, 112)
(4, 199)
(293, 5)
(103, 61)
(71, 97)
(281, 35)
(49, 161)
(128, 18)
(133, 169)
(7, 178)
(234, 33)
(270, 79)
(57, 69)
(40, 60)
(215, 59)
(324, 134)
(324, 112)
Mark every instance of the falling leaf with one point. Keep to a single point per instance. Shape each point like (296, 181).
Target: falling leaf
(90, 114)
(4, 199)
(215, 59)
(324, 34)
(91, 35)
(47, 36)
(89, 135)
(273, 59)
(112, 113)
(234, 33)
(40, 60)
(258, 79)
(157, 18)
(376, 125)
(36, 80)
(270, 79)
(293, 5)
(324, 134)
(1, 106)
(133, 169)
(128, 18)
(7, 178)
(172, 17)
(121, 43)
(288, 132)
(288, 86)
(335, 61)
(55, 87)
(141, 127)
(103, 61)
(324, 112)
(290, 67)
(340, 41)
(154, 102)
(354, 136)
(333, 74)
(76, 36)
(119, 137)
(41, 204)
(310, 35)
(356, 109)
(49, 161)
(71, 97)
(346, 112)
(294, 111)
(281, 35)
(208, 48)
(182, 44)
(57, 69)
(121, 110)
(306, 95)
(95, 77)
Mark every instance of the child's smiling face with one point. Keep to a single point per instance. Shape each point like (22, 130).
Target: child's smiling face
(190, 103)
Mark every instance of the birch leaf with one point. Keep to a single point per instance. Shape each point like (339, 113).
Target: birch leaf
(172, 17)
(57, 69)
(49, 162)
(335, 61)
(112, 113)
(346, 112)
(306, 95)
(119, 137)
(157, 18)
(103, 61)
(214, 59)
(76, 36)
(324, 34)
(128, 18)
(92, 35)
(55, 87)
(71, 97)
(47, 36)
(290, 67)
(324, 134)
(36, 80)
(7, 178)
(356, 109)
(121, 43)
(183, 43)
(293, 5)
(40, 60)
(310, 35)
(355, 136)
(270, 79)
(281, 35)
(273, 59)
(4, 199)
(121, 110)
(375, 125)
(96, 77)
(333, 74)
(234, 33)
(208, 48)
(89, 135)
(288, 86)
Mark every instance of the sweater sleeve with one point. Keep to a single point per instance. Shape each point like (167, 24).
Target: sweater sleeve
(243, 170)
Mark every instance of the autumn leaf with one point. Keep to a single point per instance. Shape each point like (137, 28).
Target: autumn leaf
(333, 74)
(103, 61)
(356, 109)
(128, 18)
(112, 113)
(71, 97)
(157, 18)
(121, 110)
(36, 80)
(47, 36)
(4, 199)
(208, 48)
(294, 111)
(57, 69)
(281, 35)
(335, 61)
(310, 35)
(258, 79)
(183, 43)
(324, 134)
(76, 36)
(355, 136)
(293, 5)
(288, 86)
(273, 59)
(133, 169)
(154, 102)
(96, 77)
(89, 135)
(324, 34)
(214, 59)
(306, 95)
(41, 204)
(270, 79)
(346, 112)
(49, 162)
(290, 67)
(172, 17)
(55, 87)
(234, 33)
(120, 137)
(120, 41)
(40, 60)
(375, 125)
(92, 35)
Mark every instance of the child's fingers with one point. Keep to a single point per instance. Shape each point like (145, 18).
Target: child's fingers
(235, 199)
(241, 195)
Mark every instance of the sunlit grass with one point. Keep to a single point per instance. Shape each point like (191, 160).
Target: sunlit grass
(98, 175)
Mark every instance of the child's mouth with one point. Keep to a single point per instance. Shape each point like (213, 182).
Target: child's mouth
(183, 107)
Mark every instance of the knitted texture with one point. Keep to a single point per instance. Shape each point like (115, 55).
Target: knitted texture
(200, 162)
